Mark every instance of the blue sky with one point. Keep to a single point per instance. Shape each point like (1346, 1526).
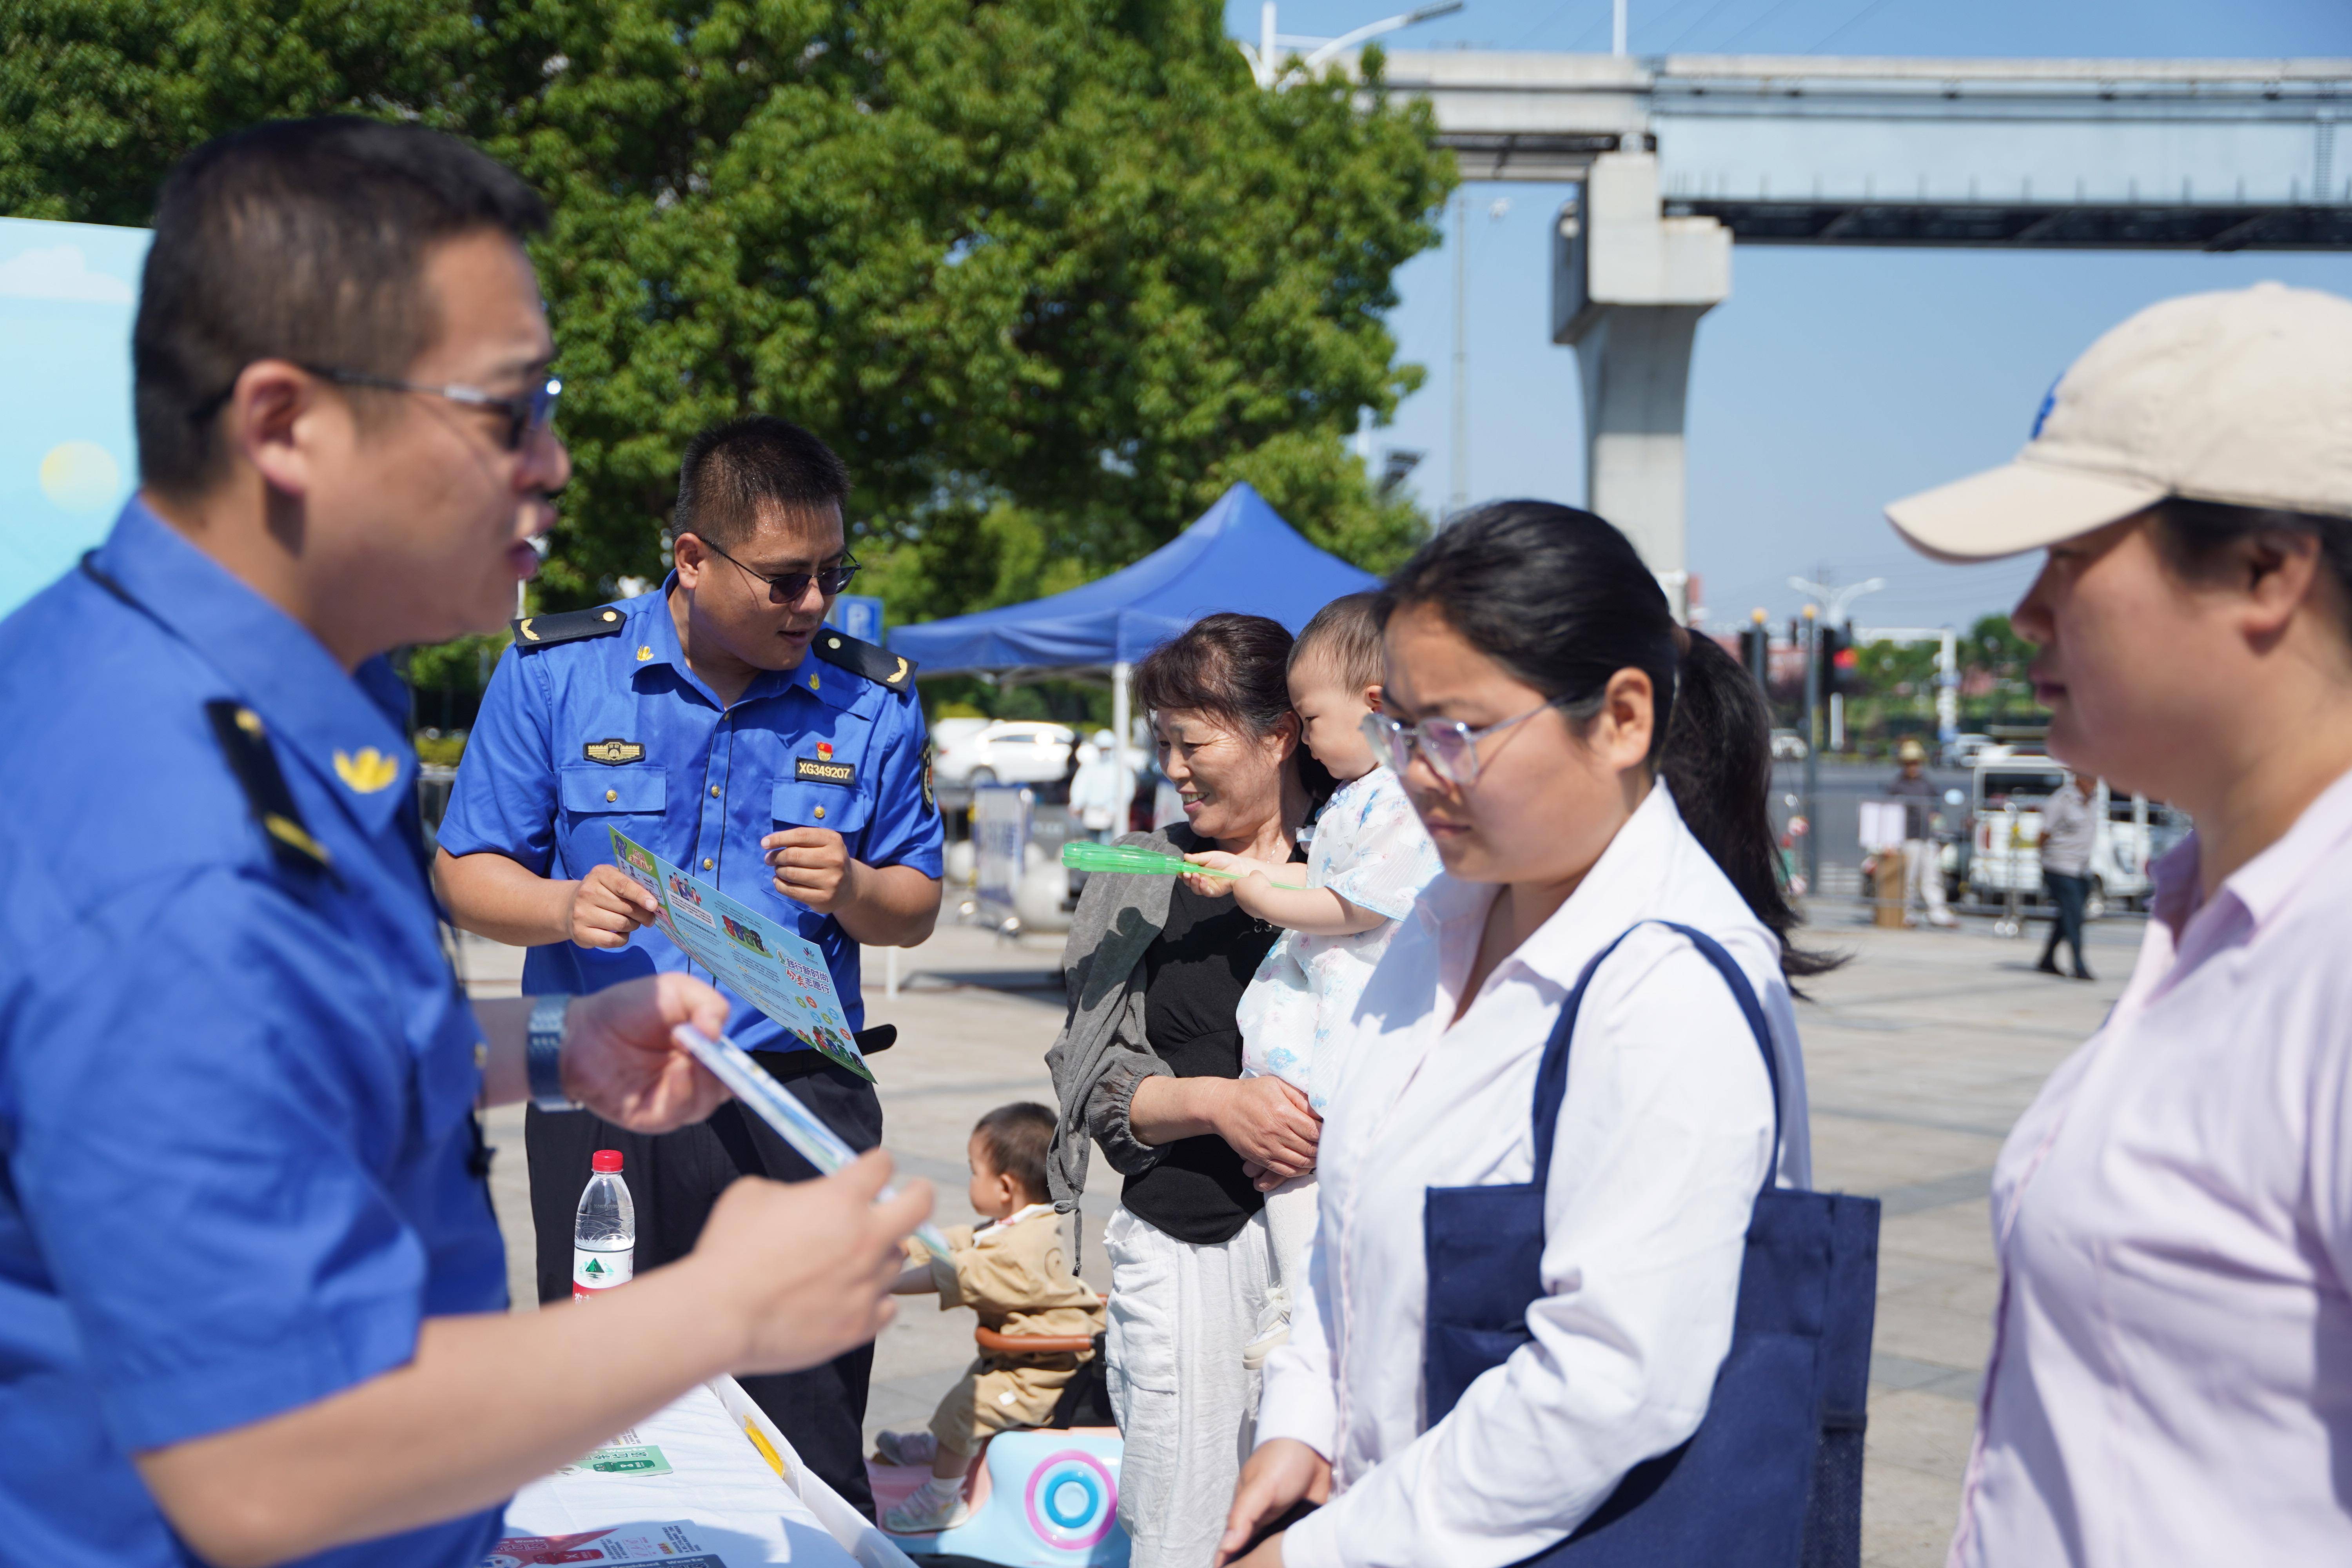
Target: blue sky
(1833, 380)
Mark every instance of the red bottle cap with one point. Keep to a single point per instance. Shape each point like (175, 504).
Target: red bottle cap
(606, 1161)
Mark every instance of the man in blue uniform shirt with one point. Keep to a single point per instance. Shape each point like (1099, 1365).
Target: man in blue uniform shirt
(251, 1289)
(695, 720)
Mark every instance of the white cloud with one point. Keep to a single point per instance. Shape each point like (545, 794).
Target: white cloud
(60, 272)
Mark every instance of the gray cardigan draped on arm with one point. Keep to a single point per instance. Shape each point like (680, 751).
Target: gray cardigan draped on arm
(1101, 1053)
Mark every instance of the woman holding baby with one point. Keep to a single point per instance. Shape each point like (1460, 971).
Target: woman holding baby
(1150, 1063)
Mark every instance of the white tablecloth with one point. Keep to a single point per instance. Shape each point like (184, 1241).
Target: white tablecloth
(720, 1482)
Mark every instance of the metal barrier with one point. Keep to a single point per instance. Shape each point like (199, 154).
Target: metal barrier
(432, 787)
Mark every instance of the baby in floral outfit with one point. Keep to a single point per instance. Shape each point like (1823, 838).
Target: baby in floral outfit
(1367, 862)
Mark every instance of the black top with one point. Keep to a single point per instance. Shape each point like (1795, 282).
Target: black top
(1193, 977)
(1919, 797)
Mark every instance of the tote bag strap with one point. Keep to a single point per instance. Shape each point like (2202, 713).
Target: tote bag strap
(1551, 1073)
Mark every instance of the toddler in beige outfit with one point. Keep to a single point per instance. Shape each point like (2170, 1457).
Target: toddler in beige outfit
(1015, 1275)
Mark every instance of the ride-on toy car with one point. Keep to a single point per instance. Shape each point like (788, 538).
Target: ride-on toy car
(1042, 1498)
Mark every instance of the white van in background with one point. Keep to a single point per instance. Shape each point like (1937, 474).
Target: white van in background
(2005, 833)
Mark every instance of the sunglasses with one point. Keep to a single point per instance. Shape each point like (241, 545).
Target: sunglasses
(526, 415)
(791, 587)
(1448, 745)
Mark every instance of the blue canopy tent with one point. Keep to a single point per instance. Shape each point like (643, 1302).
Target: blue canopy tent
(1239, 555)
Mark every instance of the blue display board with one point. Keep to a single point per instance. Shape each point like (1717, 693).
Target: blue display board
(859, 615)
(67, 291)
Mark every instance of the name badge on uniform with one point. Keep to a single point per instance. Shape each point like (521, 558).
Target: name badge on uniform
(613, 752)
(823, 769)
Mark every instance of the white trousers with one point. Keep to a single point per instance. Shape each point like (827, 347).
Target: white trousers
(1923, 872)
(1180, 1316)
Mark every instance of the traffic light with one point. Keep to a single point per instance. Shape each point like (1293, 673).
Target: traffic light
(1756, 651)
(1838, 670)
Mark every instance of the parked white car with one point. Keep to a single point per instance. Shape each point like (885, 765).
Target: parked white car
(2005, 820)
(946, 732)
(1007, 751)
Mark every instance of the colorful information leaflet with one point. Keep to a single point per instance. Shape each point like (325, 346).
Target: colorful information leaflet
(781, 973)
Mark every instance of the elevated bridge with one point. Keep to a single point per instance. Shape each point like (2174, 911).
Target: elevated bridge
(1678, 157)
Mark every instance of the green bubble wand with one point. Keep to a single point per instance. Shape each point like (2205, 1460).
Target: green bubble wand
(1133, 860)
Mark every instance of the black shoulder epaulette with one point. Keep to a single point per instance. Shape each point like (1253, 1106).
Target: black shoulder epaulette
(878, 665)
(246, 745)
(569, 626)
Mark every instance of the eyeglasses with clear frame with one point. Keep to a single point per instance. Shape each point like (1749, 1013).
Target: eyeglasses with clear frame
(1450, 746)
(789, 587)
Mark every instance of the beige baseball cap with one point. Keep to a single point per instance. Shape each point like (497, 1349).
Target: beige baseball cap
(2244, 397)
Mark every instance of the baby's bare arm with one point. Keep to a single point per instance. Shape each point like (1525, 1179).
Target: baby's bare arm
(1260, 888)
(1316, 911)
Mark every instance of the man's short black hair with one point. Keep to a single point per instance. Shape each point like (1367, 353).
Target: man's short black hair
(302, 240)
(732, 470)
(1017, 1137)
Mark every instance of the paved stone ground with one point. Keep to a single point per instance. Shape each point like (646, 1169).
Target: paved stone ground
(1919, 1054)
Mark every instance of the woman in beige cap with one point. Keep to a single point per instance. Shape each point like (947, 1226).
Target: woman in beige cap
(2172, 1372)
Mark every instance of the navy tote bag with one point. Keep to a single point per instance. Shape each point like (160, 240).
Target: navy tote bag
(1772, 1479)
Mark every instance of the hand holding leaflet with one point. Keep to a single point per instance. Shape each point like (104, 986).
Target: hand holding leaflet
(778, 971)
(777, 1106)
(1082, 854)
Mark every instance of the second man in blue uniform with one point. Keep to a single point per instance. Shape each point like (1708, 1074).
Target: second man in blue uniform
(694, 720)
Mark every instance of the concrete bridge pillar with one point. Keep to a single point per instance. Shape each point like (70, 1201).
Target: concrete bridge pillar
(1629, 286)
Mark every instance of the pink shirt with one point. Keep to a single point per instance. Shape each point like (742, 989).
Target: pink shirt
(2171, 1376)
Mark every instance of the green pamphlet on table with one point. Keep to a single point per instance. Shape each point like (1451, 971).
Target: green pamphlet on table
(778, 971)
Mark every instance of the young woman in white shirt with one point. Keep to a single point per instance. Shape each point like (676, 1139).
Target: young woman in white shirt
(2171, 1371)
(1584, 765)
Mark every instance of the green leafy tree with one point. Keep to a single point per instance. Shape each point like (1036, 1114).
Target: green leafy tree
(1051, 274)
(1885, 666)
(1993, 645)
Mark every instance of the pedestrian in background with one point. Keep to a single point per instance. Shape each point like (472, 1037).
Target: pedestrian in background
(1099, 786)
(1923, 866)
(1058, 792)
(2173, 1215)
(2068, 824)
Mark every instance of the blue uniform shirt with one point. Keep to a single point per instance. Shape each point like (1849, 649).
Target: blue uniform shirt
(696, 782)
(235, 1086)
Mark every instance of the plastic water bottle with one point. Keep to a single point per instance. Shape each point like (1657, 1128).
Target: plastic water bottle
(604, 1231)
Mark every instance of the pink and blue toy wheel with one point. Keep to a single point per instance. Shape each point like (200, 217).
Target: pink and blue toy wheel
(1072, 1500)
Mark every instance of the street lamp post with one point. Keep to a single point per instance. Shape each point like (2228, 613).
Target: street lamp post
(1834, 600)
(1458, 466)
(1812, 751)
(1458, 501)
(1265, 57)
